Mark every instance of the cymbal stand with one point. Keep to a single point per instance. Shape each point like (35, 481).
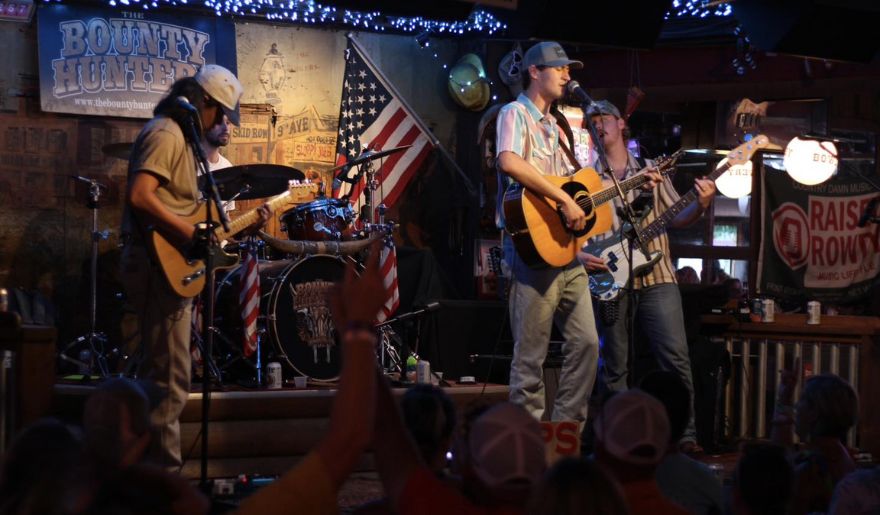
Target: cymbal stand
(93, 339)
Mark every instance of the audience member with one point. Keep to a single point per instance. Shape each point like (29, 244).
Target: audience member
(45, 472)
(145, 489)
(504, 458)
(575, 486)
(762, 481)
(735, 291)
(116, 423)
(682, 479)
(632, 435)
(857, 494)
(429, 416)
(687, 275)
(826, 411)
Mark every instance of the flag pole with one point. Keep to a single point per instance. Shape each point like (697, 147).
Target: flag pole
(424, 128)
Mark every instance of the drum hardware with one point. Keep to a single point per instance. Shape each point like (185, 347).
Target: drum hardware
(366, 155)
(332, 248)
(94, 350)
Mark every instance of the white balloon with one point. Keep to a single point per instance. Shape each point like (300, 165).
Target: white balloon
(736, 182)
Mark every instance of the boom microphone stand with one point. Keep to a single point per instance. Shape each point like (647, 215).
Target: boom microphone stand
(93, 339)
(204, 247)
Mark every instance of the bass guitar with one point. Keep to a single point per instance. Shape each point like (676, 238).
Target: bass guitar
(620, 251)
(538, 227)
(187, 276)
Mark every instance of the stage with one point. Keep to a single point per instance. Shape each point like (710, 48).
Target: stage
(259, 432)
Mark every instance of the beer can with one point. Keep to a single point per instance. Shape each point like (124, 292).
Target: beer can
(423, 372)
(273, 375)
(814, 312)
(768, 311)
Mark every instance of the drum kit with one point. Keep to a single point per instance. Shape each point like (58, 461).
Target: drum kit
(295, 325)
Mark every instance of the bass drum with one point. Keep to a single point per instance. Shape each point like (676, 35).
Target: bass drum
(298, 317)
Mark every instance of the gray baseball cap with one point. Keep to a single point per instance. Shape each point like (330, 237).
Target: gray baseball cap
(603, 107)
(549, 53)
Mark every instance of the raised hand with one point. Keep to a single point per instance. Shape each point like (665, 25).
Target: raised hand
(356, 301)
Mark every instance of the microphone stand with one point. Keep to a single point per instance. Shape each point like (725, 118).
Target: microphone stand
(629, 216)
(205, 248)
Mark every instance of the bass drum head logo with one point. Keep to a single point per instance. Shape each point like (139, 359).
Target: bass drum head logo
(791, 235)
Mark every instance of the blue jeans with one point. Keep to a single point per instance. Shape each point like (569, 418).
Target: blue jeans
(538, 299)
(659, 316)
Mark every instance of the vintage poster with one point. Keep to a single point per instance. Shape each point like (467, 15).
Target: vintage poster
(111, 62)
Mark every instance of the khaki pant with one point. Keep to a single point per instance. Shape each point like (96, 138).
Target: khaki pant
(165, 328)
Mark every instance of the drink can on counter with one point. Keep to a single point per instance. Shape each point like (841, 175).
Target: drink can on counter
(768, 310)
(273, 375)
(757, 308)
(423, 372)
(814, 312)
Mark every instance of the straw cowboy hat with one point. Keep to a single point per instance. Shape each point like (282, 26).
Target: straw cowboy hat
(468, 84)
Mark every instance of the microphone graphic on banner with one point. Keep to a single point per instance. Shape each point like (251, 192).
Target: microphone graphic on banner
(868, 215)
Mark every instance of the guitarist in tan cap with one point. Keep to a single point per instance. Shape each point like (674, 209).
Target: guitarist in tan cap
(528, 149)
(162, 190)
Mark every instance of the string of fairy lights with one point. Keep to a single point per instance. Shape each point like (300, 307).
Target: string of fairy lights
(310, 12)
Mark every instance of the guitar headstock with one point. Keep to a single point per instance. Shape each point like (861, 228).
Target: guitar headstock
(301, 192)
(744, 152)
(666, 164)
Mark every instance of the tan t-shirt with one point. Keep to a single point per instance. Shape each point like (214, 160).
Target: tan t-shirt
(161, 149)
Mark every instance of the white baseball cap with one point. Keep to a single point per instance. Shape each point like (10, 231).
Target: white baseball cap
(222, 85)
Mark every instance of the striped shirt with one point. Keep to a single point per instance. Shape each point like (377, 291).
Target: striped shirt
(527, 132)
(664, 196)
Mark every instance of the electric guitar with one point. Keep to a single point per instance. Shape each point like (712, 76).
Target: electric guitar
(187, 276)
(620, 250)
(538, 227)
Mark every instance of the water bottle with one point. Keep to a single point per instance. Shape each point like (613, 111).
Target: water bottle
(411, 366)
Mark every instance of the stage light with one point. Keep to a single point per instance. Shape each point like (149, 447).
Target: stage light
(810, 161)
(736, 182)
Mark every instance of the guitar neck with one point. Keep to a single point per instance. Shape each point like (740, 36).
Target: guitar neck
(611, 192)
(245, 220)
(656, 227)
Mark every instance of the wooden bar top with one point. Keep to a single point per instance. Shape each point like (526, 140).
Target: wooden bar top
(795, 325)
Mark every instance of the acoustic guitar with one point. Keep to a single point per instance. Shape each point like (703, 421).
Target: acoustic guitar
(187, 276)
(538, 227)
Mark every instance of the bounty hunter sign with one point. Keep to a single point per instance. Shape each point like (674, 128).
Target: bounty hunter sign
(811, 244)
(114, 62)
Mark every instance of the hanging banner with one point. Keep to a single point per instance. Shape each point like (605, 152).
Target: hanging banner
(113, 62)
(811, 244)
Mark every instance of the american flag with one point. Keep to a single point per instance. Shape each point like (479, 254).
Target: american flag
(371, 116)
(388, 268)
(249, 300)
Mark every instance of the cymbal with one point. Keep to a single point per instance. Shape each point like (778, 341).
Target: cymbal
(120, 150)
(253, 181)
(367, 156)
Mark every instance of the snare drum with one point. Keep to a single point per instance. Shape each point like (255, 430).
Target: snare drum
(319, 220)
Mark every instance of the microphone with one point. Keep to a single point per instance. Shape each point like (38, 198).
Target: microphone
(869, 212)
(183, 103)
(575, 91)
